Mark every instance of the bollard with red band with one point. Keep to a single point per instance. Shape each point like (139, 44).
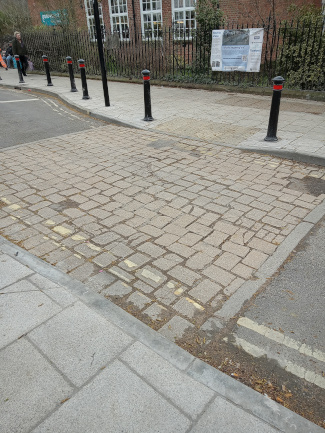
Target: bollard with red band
(20, 72)
(47, 70)
(72, 81)
(81, 63)
(147, 100)
(275, 108)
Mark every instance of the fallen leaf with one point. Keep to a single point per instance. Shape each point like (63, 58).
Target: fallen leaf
(288, 395)
(279, 400)
(66, 399)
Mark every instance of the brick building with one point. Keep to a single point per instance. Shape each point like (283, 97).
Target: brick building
(148, 16)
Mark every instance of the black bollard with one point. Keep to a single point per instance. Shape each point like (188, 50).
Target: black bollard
(20, 73)
(99, 38)
(275, 108)
(147, 99)
(72, 81)
(83, 79)
(47, 70)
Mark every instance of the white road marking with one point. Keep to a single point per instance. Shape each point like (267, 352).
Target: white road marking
(289, 366)
(47, 103)
(19, 100)
(280, 338)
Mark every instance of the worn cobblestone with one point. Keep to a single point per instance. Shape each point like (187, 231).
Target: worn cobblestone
(177, 225)
(204, 291)
(184, 275)
(139, 300)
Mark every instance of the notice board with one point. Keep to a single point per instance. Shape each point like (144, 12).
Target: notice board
(237, 50)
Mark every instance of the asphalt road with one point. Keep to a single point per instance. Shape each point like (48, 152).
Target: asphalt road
(26, 117)
(285, 322)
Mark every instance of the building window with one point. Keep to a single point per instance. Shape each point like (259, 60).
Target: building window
(91, 19)
(183, 17)
(151, 17)
(119, 18)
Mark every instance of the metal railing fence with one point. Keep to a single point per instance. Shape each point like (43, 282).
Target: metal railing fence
(295, 50)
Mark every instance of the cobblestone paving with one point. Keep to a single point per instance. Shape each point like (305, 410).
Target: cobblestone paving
(164, 227)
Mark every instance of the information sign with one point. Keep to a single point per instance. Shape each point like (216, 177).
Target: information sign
(237, 50)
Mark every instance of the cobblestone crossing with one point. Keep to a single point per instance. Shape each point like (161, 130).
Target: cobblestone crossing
(165, 227)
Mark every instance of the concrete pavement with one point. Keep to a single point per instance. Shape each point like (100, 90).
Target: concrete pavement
(231, 119)
(71, 361)
(166, 221)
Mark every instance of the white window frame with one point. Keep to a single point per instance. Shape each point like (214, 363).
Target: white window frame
(91, 18)
(151, 12)
(123, 37)
(181, 30)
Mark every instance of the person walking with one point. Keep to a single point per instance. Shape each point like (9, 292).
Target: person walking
(20, 49)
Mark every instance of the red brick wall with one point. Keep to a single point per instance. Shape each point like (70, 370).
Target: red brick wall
(167, 13)
(236, 11)
(249, 11)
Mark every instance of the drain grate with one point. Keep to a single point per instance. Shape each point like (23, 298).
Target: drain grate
(309, 185)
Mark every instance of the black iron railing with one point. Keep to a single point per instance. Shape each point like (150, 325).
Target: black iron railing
(295, 50)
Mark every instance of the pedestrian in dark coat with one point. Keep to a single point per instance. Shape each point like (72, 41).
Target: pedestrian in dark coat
(20, 49)
(8, 55)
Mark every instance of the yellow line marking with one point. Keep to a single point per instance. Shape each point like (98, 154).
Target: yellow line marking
(130, 264)
(93, 247)
(14, 206)
(151, 275)
(196, 305)
(62, 230)
(77, 238)
(5, 200)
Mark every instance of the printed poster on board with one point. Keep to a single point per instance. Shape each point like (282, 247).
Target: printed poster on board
(237, 50)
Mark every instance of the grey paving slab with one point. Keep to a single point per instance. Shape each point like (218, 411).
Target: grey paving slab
(116, 401)
(11, 271)
(20, 312)
(42, 282)
(223, 416)
(183, 391)
(21, 286)
(79, 348)
(31, 388)
(148, 397)
(60, 295)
